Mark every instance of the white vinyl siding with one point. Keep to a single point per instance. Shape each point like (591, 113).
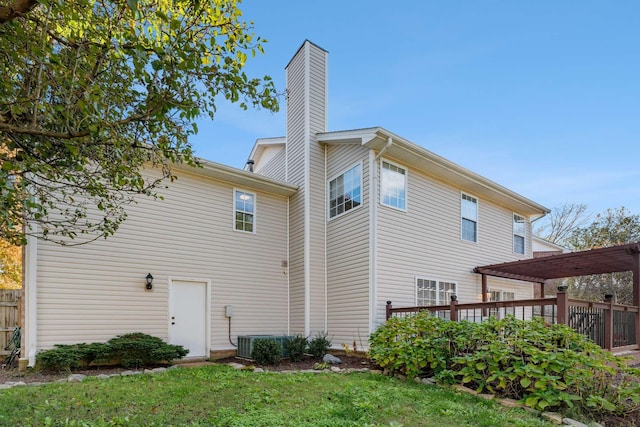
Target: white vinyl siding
(306, 116)
(519, 233)
(345, 191)
(469, 218)
(276, 166)
(426, 240)
(244, 210)
(348, 257)
(93, 292)
(393, 186)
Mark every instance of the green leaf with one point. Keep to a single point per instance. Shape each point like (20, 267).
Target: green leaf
(525, 382)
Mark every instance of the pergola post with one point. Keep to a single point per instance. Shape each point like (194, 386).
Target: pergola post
(485, 291)
(636, 290)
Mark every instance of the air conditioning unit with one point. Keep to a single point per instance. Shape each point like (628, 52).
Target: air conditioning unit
(246, 342)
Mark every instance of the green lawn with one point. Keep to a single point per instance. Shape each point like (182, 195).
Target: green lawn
(222, 396)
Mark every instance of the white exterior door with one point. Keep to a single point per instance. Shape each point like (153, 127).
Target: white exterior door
(188, 318)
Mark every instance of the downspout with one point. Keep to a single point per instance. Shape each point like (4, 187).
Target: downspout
(387, 145)
(326, 282)
(373, 235)
(31, 300)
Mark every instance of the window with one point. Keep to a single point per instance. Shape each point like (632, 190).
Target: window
(345, 191)
(518, 234)
(244, 208)
(433, 292)
(393, 186)
(469, 211)
(502, 296)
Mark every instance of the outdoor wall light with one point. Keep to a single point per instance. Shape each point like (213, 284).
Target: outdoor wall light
(149, 281)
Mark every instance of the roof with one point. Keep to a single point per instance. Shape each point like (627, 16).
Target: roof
(435, 166)
(239, 177)
(614, 259)
(262, 144)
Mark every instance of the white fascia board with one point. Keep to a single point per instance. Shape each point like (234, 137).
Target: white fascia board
(239, 177)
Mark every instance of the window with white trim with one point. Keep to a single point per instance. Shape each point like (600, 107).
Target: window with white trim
(433, 292)
(244, 208)
(519, 233)
(469, 214)
(345, 191)
(497, 295)
(393, 186)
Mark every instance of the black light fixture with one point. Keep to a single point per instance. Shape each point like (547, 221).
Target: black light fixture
(149, 281)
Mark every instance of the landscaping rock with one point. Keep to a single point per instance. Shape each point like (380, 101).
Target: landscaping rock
(429, 381)
(375, 372)
(76, 378)
(158, 370)
(571, 422)
(236, 365)
(258, 370)
(554, 417)
(335, 369)
(464, 389)
(510, 403)
(126, 373)
(310, 371)
(331, 359)
(103, 376)
(16, 384)
(5, 386)
(486, 396)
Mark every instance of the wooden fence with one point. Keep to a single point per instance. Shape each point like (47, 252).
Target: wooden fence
(9, 316)
(609, 325)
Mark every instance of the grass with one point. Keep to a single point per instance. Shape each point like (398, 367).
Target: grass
(222, 396)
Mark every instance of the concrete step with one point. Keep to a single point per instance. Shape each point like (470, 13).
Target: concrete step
(632, 354)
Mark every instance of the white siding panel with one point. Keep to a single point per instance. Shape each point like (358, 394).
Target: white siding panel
(276, 167)
(425, 241)
(96, 291)
(348, 256)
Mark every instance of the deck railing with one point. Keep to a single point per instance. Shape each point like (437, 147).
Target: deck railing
(607, 324)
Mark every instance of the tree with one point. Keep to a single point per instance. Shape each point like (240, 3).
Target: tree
(10, 266)
(561, 222)
(614, 227)
(92, 91)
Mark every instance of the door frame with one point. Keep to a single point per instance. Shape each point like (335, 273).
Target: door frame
(207, 310)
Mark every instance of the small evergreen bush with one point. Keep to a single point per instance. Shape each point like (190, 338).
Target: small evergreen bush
(137, 349)
(266, 351)
(296, 346)
(130, 350)
(66, 357)
(548, 367)
(319, 345)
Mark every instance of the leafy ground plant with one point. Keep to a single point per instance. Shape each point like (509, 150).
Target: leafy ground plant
(545, 366)
(222, 396)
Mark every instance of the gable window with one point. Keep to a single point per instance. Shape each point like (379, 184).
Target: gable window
(244, 208)
(345, 191)
(518, 234)
(469, 213)
(433, 292)
(393, 186)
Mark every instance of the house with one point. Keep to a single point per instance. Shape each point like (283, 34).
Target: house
(316, 234)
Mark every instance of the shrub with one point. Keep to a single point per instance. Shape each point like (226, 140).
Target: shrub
(296, 346)
(545, 366)
(66, 357)
(137, 349)
(130, 350)
(266, 351)
(319, 345)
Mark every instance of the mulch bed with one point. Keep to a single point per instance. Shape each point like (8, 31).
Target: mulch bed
(30, 376)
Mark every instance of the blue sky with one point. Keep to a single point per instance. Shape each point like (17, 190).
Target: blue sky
(542, 97)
